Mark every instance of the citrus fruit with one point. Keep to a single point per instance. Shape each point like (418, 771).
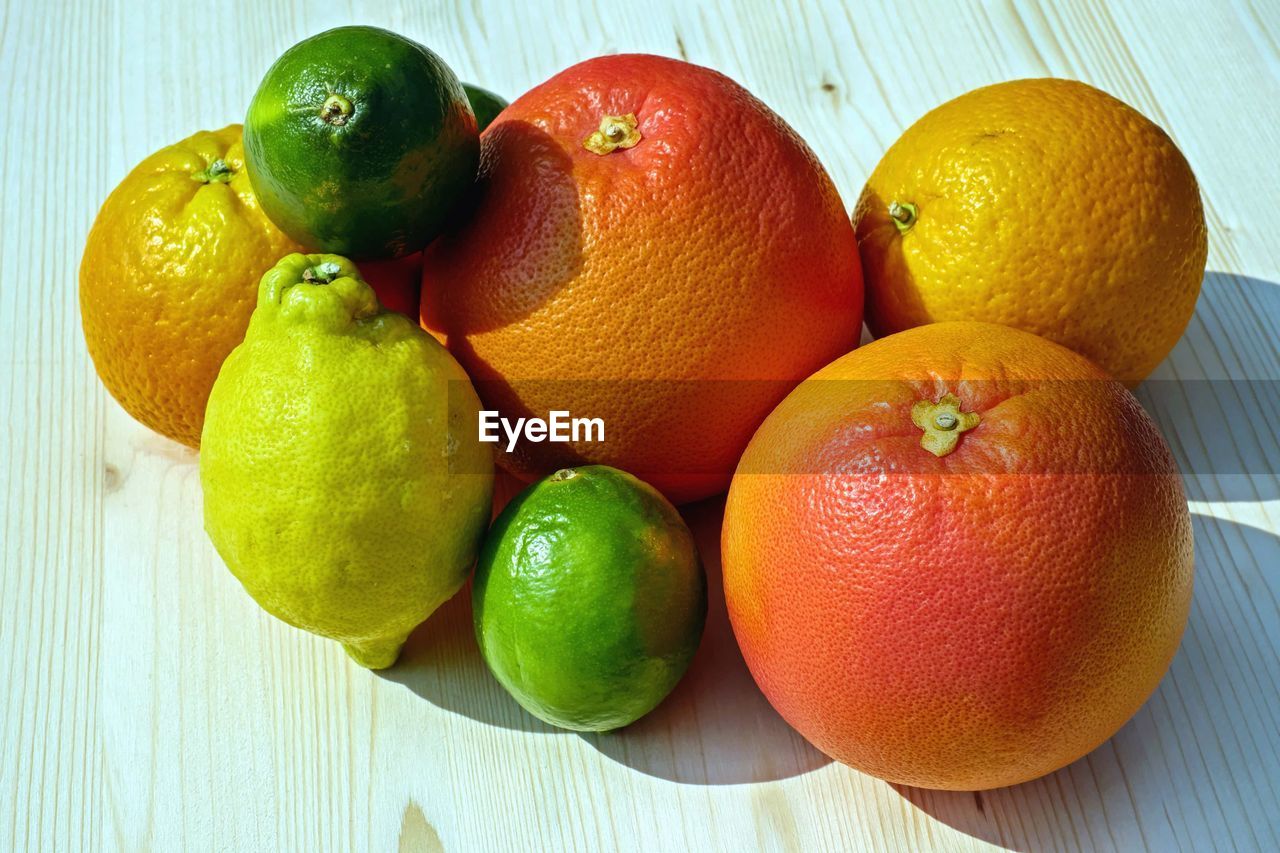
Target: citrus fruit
(959, 557)
(589, 599)
(360, 141)
(168, 278)
(1041, 204)
(651, 246)
(485, 104)
(344, 485)
(396, 282)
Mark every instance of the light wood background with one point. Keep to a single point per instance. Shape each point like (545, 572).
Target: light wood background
(149, 704)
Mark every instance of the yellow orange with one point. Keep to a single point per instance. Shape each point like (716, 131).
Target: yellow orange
(1047, 205)
(170, 276)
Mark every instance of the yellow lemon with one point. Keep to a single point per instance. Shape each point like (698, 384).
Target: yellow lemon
(344, 481)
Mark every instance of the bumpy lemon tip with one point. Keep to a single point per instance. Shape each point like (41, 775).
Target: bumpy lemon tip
(375, 654)
(317, 289)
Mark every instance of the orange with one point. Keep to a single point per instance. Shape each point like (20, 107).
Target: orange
(650, 245)
(1042, 204)
(959, 557)
(170, 276)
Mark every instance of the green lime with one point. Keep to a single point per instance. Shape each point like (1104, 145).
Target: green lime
(485, 104)
(589, 598)
(360, 141)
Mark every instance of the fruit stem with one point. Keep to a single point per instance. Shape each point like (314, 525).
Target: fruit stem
(615, 132)
(218, 171)
(321, 273)
(942, 423)
(563, 474)
(903, 215)
(336, 110)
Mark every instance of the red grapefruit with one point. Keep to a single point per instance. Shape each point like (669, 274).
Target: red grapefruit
(959, 557)
(652, 246)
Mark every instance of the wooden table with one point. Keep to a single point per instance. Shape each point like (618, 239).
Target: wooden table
(150, 704)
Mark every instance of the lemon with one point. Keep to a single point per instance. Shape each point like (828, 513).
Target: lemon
(344, 482)
(589, 598)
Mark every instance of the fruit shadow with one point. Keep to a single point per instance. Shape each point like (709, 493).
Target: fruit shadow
(1217, 396)
(442, 664)
(715, 728)
(1199, 765)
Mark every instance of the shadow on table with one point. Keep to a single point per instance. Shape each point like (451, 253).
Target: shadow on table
(442, 664)
(1199, 765)
(1218, 415)
(715, 728)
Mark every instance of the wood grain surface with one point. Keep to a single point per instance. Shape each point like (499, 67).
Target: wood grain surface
(150, 705)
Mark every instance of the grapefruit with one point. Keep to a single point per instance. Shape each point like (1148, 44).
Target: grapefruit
(396, 282)
(652, 246)
(959, 557)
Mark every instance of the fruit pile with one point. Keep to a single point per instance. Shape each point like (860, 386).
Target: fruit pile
(957, 557)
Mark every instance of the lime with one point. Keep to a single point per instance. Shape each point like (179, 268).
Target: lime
(360, 141)
(344, 483)
(589, 598)
(485, 104)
